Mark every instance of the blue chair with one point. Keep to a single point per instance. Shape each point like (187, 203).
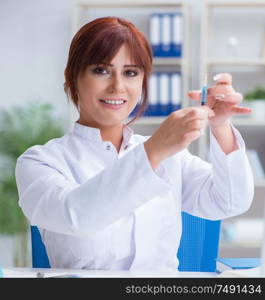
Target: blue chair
(39, 255)
(198, 248)
(199, 244)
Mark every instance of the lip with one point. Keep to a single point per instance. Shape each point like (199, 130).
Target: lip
(113, 106)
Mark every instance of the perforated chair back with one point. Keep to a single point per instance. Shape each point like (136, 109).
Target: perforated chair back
(39, 255)
(199, 244)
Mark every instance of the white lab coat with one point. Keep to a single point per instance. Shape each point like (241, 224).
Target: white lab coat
(99, 209)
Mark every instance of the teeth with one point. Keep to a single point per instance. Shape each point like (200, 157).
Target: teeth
(114, 101)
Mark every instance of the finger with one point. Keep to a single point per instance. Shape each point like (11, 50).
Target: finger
(220, 89)
(196, 124)
(234, 98)
(194, 114)
(241, 110)
(209, 111)
(223, 78)
(217, 93)
(192, 135)
(194, 95)
(198, 113)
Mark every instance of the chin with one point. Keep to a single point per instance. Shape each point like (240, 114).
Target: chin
(108, 121)
(111, 123)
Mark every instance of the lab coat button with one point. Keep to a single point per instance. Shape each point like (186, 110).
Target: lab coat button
(108, 147)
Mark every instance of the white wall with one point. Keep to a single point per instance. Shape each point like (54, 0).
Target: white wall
(34, 42)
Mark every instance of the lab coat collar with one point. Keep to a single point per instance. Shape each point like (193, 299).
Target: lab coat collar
(93, 134)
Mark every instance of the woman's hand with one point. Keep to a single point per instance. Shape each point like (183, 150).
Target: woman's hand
(179, 129)
(222, 99)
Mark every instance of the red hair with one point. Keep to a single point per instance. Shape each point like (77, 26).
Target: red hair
(99, 41)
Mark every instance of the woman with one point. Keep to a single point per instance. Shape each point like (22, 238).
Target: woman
(105, 198)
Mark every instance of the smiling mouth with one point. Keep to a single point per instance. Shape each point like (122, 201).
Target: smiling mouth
(113, 102)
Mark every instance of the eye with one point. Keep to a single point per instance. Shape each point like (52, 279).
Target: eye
(100, 70)
(131, 73)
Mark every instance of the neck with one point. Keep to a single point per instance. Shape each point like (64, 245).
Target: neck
(113, 134)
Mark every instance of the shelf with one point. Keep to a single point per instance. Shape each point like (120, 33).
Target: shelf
(167, 61)
(138, 3)
(237, 121)
(260, 184)
(235, 4)
(236, 62)
(246, 244)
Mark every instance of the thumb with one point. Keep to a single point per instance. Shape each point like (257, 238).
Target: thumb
(223, 78)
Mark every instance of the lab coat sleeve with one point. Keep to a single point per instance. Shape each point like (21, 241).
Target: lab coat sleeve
(220, 189)
(53, 202)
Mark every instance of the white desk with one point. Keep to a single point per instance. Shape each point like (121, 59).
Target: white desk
(32, 273)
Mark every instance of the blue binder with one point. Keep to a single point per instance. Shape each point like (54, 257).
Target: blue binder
(166, 34)
(166, 107)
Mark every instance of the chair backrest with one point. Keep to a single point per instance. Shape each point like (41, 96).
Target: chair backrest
(39, 255)
(198, 248)
(199, 244)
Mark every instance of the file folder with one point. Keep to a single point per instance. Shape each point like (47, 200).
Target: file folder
(165, 34)
(177, 34)
(175, 91)
(153, 95)
(154, 33)
(164, 94)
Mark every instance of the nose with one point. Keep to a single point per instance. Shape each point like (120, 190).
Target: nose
(117, 84)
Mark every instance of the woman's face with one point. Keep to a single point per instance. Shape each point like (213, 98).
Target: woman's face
(108, 93)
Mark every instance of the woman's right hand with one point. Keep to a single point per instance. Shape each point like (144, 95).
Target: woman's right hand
(179, 129)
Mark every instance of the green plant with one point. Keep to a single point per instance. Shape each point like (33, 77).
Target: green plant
(258, 93)
(20, 128)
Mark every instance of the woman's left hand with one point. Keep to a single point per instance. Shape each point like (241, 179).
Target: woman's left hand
(222, 99)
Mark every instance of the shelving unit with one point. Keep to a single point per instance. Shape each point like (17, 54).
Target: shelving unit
(245, 60)
(231, 60)
(243, 67)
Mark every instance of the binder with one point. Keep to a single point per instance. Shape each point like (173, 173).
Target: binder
(152, 95)
(154, 33)
(175, 91)
(164, 95)
(164, 88)
(177, 34)
(166, 35)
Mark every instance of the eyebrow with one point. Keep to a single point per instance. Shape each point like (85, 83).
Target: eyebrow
(125, 66)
